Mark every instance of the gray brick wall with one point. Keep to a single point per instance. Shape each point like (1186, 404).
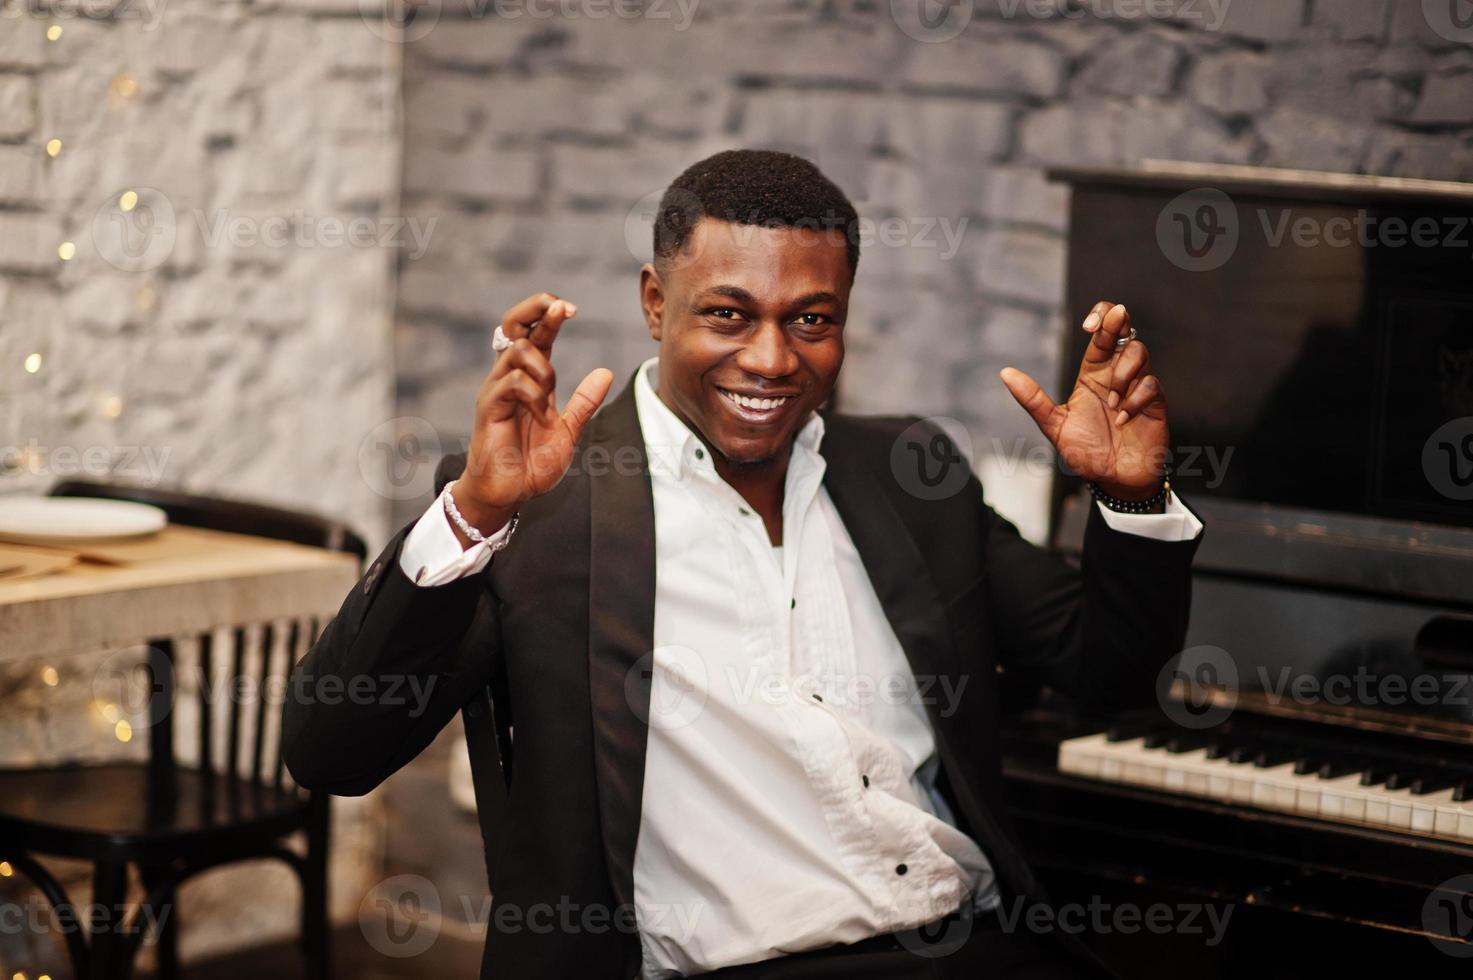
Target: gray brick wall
(219, 325)
(538, 141)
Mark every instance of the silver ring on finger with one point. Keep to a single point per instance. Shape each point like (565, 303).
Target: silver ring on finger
(1121, 342)
(499, 340)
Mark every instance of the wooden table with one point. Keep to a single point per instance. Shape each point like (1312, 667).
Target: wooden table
(182, 580)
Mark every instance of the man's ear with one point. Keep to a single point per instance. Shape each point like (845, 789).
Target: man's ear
(652, 299)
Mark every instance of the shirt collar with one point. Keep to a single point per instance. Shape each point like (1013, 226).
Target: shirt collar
(672, 447)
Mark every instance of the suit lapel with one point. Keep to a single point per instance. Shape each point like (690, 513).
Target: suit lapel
(891, 557)
(621, 596)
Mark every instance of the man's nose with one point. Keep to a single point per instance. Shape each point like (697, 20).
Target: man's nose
(770, 353)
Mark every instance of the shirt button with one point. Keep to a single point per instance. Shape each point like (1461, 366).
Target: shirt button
(744, 512)
(818, 699)
(700, 454)
(901, 869)
(795, 603)
(866, 781)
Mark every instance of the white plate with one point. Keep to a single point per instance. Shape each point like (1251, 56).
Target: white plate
(69, 520)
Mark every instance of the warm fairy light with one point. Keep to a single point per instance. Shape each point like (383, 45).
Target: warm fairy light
(49, 676)
(53, 33)
(123, 730)
(108, 710)
(5, 870)
(128, 201)
(33, 363)
(66, 250)
(53, 147)
(112, 406)
(124, 86)
(145, 299)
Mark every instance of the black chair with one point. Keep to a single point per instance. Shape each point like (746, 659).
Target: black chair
(168, 820)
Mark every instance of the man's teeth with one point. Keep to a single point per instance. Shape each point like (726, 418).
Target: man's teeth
(758, 404)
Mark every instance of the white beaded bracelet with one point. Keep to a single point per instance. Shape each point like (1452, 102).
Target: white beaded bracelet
(474, 533)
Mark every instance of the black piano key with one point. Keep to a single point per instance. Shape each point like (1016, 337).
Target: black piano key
(1305, 765)
(1189, 742)
(1374, 776)
(1268, 758)
(1124, 731)
(1219, 749)
(1334, 770)
(1158, 739)
(1241, 754)
(1463, 792)
(1399, 780)
(1423, 785)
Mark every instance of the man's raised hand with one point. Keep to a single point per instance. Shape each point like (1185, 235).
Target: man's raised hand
(1112, 430)
(521, 444)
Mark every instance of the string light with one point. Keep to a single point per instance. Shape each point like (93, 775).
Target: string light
(107, 709)
(66, 251)
(128, 201)
(145, 298)
(53, 147)
(123, 730)
(112, 406)
(33, 363)
(53, 33)
(5, 870)
(123, 88)
(49, 676)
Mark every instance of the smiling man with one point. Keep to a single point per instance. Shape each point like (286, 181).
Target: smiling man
(746, 678)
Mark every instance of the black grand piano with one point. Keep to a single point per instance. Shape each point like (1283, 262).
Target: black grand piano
(1307, 770)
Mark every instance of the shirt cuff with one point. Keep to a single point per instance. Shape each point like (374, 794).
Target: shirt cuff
(432, 554)
(1176, 524)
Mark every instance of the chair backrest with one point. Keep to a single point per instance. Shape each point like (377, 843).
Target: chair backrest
(233, 670)
(223, 514)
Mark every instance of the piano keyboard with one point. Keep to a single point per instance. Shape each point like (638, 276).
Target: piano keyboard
(1359, 791)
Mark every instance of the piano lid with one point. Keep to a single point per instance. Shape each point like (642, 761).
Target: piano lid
(1306, 185)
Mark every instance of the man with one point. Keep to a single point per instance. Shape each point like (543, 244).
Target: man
(751, 674)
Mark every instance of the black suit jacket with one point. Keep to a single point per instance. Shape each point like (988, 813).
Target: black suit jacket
(562, 623)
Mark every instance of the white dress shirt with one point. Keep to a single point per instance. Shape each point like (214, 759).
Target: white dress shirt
(789, 793)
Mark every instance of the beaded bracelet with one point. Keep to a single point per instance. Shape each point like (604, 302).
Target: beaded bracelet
(1133, 506)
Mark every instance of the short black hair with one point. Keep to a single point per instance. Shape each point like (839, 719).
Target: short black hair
(767, 188)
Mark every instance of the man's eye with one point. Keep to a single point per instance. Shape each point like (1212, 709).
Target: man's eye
(813, 319)
(723, 312)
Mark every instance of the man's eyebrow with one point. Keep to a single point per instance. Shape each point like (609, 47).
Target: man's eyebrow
(742, 296)
(733, 292)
